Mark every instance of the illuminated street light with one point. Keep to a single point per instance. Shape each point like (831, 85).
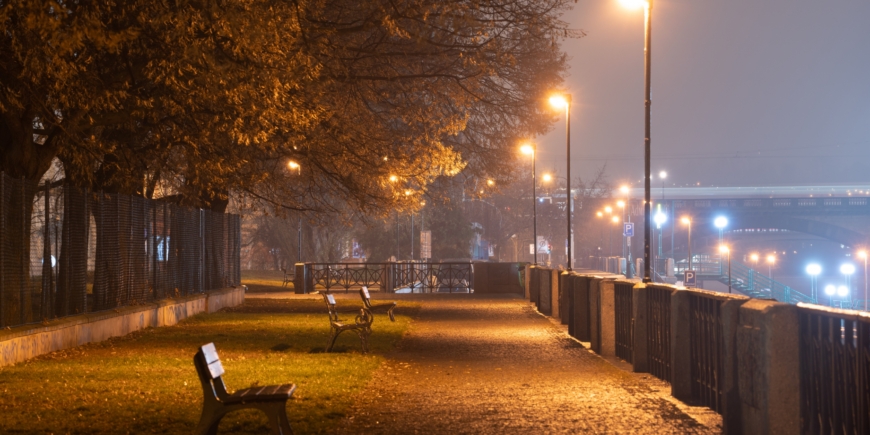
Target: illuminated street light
(813, 270)
(490, 182)
(529, 149)
(863, 255)
(608, 209)
(394, 178)
(720, 222)
(633, 4)
(293, 165)
(724, 250)
(842, 291)
(564, 102)
(547, 178)
(771, 260)
(688, 222)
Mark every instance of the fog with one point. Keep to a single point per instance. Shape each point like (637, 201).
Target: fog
(745, 93)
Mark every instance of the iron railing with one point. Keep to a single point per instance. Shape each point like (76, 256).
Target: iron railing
(409, 277)
(659, 331)
(579, 321)
(66, 251)
(706, 348)
(834, 370)
(624, 320)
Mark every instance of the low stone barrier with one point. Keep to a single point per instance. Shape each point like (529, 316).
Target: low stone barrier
(28, 341)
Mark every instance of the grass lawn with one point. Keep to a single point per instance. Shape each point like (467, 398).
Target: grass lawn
(146, 382)
(265, 281)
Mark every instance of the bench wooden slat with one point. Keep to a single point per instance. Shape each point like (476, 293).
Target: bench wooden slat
(269, 392)
(216, 369)
(210, 353)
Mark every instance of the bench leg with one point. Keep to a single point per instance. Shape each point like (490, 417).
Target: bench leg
(332, 340)
(390, 313)
(364, 338)
(209, 421)
(277, 413)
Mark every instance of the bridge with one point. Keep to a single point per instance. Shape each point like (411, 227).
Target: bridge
(837, 213)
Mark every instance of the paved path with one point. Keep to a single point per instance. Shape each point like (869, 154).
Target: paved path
(477, 365)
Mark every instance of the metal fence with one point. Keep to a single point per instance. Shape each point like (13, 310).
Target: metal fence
(706, 347)
(834, 370)
(406, 277)
(66, 251)
(624, 324)
(659, 331)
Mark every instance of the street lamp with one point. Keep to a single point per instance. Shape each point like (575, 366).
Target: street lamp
(660, 219)
(688, 221)
(813, 270)
(724, 249)
(847, 270)
(754, 258)
(615, 220)
(647, 66)
(830, 290)
(863, 254)
(559, 101)
(530, 149)
(720, 222)
(294, 166)
(842, 292)
(771, 259)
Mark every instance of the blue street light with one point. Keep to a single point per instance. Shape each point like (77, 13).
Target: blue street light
(720, 222)
(830, 290)
(813, 270)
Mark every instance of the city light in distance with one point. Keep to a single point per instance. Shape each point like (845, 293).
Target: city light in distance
(847, 269)
(830, 290)
(663, 175)
(721, 222)
(292, 165)
(814, 269)
(842, 291)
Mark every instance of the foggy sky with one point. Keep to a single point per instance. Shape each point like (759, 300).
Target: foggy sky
(745, 93)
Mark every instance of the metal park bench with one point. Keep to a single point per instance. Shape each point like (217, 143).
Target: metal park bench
(362, 324)
(217, 402)
(288, 277)
(374, 308)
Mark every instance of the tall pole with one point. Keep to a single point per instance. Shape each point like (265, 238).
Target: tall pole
(535, 200)
(648, 102)
(865, 282)
(729, 271)
(690, 245)
(568, 178)
(299, 242)
(412, 236)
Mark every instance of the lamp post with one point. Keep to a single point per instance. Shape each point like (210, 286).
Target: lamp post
(863, 255)
(688, 221)
(724, 249)
(560, 102)
(660, 219)
(647, 69)
(813, 270)
(771, 260)
(847, 270)
(531, 149)
(842, 292)
(569, 203)
(830, 290)
(295, 166)
(615, 220)
(720, 222)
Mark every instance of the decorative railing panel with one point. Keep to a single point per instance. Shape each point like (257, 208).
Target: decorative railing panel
(624, 324)
(394, 277)
(659, 331)
(706, 349)
(835, 371)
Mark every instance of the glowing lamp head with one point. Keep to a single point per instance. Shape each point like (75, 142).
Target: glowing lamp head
(862, 254)
(847, 269)
(608, 209)
(663, 175)
(600, 214)
(754, 257)
(830, 290)
(394, 178)
(721, 222)
(407, 193)
(633, 4)
(623, 189)
(527, 149)
(615, 219)
(842, 291)
(724, 249)
(547, 178)
(621, 204)
(771, 259)
(490, 182)
(660, 218)
(686, 220)
(559, 101)
(292, 165)
(814, 269)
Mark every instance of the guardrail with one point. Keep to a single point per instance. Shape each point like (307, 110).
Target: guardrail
(835, 370)
(624, 324)
(658, 337)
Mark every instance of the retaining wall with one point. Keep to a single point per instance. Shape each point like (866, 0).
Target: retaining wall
(27, 341)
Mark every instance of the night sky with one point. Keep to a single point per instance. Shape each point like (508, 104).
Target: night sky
(745, 93)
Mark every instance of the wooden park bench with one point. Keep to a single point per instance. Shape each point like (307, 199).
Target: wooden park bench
(362, 324)
(217, 402)
(387, 307)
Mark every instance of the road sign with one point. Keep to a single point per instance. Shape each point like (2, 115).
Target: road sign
(689, 278)
(425, 244)
(543, 245)
(628, 229)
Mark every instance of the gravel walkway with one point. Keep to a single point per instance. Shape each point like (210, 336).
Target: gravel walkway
(473, 364)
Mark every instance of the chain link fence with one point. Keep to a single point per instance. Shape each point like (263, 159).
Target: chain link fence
(66, 251)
